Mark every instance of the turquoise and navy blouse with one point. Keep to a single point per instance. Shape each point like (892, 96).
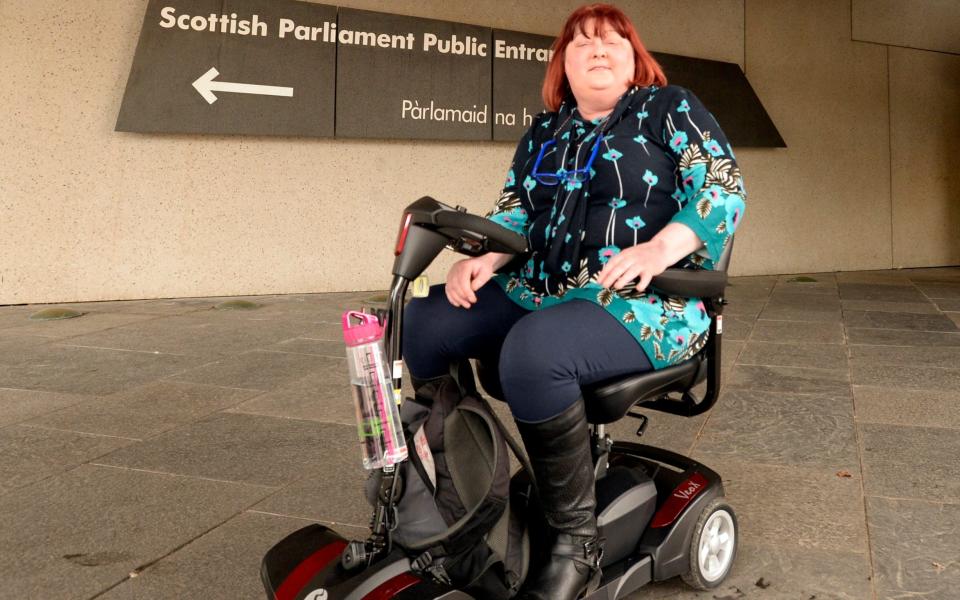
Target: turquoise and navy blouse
(662, 158)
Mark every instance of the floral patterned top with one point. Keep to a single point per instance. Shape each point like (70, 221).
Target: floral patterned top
(662, 158)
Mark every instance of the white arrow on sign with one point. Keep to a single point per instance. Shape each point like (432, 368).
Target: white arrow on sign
(206, 86)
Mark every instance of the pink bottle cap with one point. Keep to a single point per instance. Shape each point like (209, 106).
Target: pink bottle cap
(367, 330)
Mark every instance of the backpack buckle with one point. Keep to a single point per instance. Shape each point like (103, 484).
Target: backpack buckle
(439, 574)
(426, 564)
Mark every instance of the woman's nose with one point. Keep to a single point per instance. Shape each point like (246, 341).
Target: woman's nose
(598, 48)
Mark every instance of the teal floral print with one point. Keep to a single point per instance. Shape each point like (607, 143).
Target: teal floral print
(664, 160)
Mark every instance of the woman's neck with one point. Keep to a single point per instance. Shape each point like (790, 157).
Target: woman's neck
(597, 106)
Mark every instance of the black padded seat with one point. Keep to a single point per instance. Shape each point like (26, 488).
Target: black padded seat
(610, 400)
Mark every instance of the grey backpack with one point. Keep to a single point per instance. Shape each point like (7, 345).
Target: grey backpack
(454, 518)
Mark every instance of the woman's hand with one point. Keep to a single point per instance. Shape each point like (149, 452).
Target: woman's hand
(645, 261)
(649, 259)
(470, 274)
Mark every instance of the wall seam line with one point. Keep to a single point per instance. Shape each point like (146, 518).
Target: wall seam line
(893, 254)
(945, 52)
(743, 8)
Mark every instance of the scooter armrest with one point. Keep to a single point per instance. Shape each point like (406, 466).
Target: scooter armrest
(690, 283)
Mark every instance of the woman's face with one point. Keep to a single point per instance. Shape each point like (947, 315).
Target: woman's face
(599, 63)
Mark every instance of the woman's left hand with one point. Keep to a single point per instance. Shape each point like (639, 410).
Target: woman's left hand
(645, 261)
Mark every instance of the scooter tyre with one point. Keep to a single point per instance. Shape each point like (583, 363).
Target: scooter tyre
(711, 552)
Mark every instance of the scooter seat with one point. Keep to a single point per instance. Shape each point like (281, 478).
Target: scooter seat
(610, 400)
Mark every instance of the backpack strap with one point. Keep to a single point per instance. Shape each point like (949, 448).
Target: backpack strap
(512, 443)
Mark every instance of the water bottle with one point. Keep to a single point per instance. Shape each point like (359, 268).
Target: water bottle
(382, 443)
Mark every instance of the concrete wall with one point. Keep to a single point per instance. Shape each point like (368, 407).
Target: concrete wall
(90, 214)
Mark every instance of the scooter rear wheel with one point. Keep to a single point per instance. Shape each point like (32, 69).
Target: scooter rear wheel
(713, 546)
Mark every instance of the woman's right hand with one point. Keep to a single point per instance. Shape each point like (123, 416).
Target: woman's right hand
(469, 275)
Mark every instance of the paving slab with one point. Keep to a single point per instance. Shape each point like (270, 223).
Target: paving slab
(323, 395)
(331, 492)
(145, 411)
(165, 307)
(820, 356)
(737, 328)
(937, 289)
(224, 563)
(255, 369)
(788, 313)
(12, 346)
(919, 308)
(672, 432)
(910, 462)
(864, 372)
(208, 335)
(894, 337)
(67, 328)
(245, 448)
(898, 320)
(736, 294)
(881, 292)
(81, 532)
(823, 283)
(301, 345)
(21, 405)
(900, 406)
(933, 273)
(919, 356)
(760, 281)
(30, 454)
(873, 277)
(769, 571)
(315, 307)
(91, 371)
(787, 332)
(915, 550)
(16, 315)
(948, 305)
(788, 298)
(792, 506)
(744, 309)
(781, 428)
(790, 379)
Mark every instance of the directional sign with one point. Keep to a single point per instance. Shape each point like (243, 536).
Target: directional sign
(286, 67)
(233, 66)
(406, 77)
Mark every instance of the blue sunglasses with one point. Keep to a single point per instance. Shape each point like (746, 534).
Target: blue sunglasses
(576, 175)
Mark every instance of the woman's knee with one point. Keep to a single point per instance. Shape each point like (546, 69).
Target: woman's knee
(530, 354)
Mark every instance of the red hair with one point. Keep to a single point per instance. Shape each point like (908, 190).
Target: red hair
(646, 72)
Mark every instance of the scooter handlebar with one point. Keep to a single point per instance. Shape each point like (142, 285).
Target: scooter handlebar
(468, 233)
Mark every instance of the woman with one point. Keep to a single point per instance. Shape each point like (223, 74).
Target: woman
(622, 178)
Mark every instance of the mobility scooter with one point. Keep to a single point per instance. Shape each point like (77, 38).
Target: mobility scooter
(661, 514)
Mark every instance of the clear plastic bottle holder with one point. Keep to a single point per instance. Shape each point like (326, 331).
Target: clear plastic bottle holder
(382, 443)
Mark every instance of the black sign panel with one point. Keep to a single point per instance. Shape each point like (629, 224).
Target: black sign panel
(519, 64)
(406, 77)
(233, 66)
(285, 67)
(724, 89)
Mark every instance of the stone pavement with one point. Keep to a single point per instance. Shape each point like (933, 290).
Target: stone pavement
(156, 449)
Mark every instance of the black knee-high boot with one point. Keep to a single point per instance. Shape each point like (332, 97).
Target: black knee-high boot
(559, 451)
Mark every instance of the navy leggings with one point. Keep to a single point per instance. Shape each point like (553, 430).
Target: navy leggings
(544, 356)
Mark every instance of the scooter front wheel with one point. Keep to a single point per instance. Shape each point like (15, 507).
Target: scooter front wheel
(713, 546)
